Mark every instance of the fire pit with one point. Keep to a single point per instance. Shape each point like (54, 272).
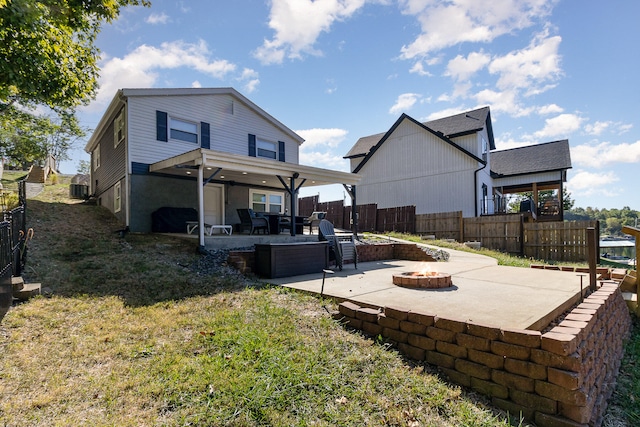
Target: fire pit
(423, 279)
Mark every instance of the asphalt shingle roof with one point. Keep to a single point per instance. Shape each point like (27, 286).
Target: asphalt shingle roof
(451, 127)
(549, 156)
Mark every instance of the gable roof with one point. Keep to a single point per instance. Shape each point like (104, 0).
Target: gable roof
(402, 118)
(451, 127)
(122, 94)
(546, 157)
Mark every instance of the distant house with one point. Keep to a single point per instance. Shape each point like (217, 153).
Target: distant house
(451, 164)
(209, 149)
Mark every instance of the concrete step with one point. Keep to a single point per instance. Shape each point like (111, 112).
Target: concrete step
(632, 300)
(29, 290)
(17, 283)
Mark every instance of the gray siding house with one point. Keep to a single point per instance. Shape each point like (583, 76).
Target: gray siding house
(451, 164)
(211, 149)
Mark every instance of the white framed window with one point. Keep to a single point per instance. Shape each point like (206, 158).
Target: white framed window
(96, 157)
(266, 149)
(117, 197)
(485, 148)
(118, 129)
(183, 130)
(266, 201)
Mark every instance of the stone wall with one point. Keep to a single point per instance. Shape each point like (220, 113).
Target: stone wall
(562, 377)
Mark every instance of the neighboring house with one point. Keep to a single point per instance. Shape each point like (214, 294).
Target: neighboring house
(211, 149)
(451, 164)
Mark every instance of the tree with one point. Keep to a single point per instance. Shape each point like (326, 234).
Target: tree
(47, 50)
(26, 138)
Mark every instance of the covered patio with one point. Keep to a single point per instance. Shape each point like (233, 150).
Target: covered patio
(228, 172)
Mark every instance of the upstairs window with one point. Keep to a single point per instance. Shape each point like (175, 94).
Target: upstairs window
(118, 129)
(266, 149)
(183, 130)
(96, 157)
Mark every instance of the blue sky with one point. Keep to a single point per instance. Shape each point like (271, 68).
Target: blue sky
(337, 70)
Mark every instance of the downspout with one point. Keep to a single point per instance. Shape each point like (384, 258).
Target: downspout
(475, 188)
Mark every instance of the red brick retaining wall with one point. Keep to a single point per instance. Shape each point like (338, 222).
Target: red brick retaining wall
(560, 378)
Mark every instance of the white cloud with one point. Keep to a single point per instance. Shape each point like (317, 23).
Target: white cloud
(560, 126)
(597, 128)
(157, 18)
(314, 138)
(598, 155)
(550, 109)
(589, 183)
(250, 80)
(141, 67)
(461, 68)
(446, 24)
(418, 69)
(327, 160)
(507, 144)
(196, 83)
(404, 102)
(526, 68)
(298, 24)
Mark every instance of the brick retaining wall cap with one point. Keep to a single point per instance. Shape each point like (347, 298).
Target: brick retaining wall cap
(483, 331)
(450, 324)
(561, 344)
(367, 314)
(425, 319)
(524, 338)
(396, 313)
(348, 308)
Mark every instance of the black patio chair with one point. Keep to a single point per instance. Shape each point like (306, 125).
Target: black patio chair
(249, 219)
(342, 246)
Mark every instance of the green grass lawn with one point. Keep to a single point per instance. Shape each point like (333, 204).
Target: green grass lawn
(132, 334)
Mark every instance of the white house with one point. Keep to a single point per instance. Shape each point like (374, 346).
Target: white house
(451, 164)
(211, 149)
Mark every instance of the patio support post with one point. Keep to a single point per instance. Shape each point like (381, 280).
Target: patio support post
(351, 190)
(201, 247)
(293, 197)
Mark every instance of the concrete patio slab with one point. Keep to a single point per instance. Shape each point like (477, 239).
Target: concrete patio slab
(483, 292)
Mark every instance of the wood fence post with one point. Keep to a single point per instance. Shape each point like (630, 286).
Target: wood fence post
(592, 255)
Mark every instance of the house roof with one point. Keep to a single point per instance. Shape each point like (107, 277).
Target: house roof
(451, 127)
(546, 157)
(402, 118)
(122, 94)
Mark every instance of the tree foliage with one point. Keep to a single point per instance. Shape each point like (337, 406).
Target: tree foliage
(47, 50)
(611, 220)
(543, 195)
(27, 138)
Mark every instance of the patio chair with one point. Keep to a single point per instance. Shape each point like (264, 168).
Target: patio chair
(314, 220)
(342, 246)
(254, 222)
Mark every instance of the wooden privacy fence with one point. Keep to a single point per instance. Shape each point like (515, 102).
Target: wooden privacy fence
(500, 232)
(558, 241)
(446, 225)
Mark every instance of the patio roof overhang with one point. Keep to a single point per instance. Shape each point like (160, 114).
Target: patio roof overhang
(254, 171)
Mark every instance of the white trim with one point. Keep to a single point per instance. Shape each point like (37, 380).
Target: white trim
(117, 197)
(267, 195)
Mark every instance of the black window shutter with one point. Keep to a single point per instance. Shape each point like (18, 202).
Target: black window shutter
(252, 145)
(161, 126)
(281, 151)
(205, 138)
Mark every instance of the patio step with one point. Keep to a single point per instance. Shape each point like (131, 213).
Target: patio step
(632, 301)
(23, 291)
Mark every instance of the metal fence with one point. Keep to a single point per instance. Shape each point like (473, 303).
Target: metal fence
(13, 235)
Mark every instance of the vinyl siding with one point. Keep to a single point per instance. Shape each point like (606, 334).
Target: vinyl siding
(527, 179)
(414, 167)
(230, 122)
